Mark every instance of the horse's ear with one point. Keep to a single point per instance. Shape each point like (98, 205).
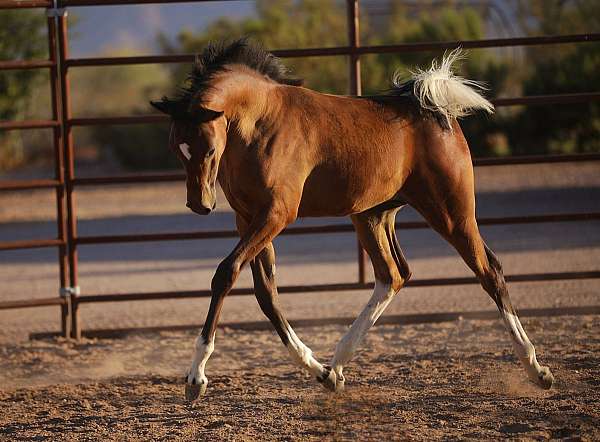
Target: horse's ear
(176, 109)
(165, 106)
(205, 114)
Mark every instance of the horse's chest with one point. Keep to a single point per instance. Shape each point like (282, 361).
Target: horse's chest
(243, 189)
(237, 197)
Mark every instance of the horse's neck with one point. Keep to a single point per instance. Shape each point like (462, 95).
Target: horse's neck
(246, 99)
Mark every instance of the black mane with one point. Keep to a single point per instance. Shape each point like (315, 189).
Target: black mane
(214, 59)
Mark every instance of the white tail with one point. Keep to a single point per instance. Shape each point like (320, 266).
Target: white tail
(439, 90)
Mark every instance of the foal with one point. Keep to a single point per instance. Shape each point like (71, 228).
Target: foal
(280, 151)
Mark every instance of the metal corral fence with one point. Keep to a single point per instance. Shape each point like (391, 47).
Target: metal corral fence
(67, 241)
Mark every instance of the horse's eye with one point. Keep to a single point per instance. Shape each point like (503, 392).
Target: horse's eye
(210, 152)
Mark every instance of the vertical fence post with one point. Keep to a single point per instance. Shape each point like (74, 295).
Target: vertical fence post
(59, 169)
(354, 43)
(69, 162)
(354, 77)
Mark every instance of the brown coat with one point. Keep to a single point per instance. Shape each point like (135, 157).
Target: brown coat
(282, 151)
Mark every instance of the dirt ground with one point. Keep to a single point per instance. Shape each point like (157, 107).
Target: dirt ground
(419, 382)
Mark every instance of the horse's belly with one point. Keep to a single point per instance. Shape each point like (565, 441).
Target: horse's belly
(332, 194)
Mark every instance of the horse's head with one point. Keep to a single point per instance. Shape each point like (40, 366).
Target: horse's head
(198, 138)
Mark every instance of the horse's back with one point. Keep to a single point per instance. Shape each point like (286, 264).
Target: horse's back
(360, 150)
(352, 154)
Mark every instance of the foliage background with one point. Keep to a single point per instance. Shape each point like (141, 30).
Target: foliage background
(278, 24)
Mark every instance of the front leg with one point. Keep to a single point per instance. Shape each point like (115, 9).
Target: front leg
(265, 226)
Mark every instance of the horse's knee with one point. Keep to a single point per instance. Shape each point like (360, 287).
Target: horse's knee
(281, 214)
(494, 267)
(266, 269)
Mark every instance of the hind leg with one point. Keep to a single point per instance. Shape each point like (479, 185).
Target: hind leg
(523, 347)
(447, 202)
(487, 267)
(375, 230)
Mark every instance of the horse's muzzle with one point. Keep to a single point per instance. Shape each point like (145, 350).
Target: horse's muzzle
(199, 208)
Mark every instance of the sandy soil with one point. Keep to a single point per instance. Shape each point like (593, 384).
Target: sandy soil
(421, 382)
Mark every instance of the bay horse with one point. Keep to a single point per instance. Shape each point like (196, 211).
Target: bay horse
(282, 151)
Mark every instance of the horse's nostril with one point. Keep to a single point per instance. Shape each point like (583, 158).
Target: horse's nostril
(198, 208)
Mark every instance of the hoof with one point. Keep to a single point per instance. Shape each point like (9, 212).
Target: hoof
(545, 379)
(194, 390)
(328, 379)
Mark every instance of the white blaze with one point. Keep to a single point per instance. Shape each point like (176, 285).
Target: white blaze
(185, 150)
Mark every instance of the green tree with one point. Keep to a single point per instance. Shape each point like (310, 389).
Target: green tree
(568, 128)
(283, 24)
(444, 24)
(310, 23)
(559, 69)
(22, 37)
(316, 23)
(121, 90)
(551, 17)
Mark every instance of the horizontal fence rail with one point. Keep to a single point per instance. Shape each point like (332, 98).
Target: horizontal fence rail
(31, 124)
(532, 277)
(24, 4)
(302, 230)
(290, 289)
(350, 50)
(67, 241)
(477, 162)
(25, 64)
(534, 100)
(31, 244)
(29, 184)
(333, 228)
(38, 302)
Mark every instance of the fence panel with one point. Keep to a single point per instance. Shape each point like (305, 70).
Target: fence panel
(59, 63)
